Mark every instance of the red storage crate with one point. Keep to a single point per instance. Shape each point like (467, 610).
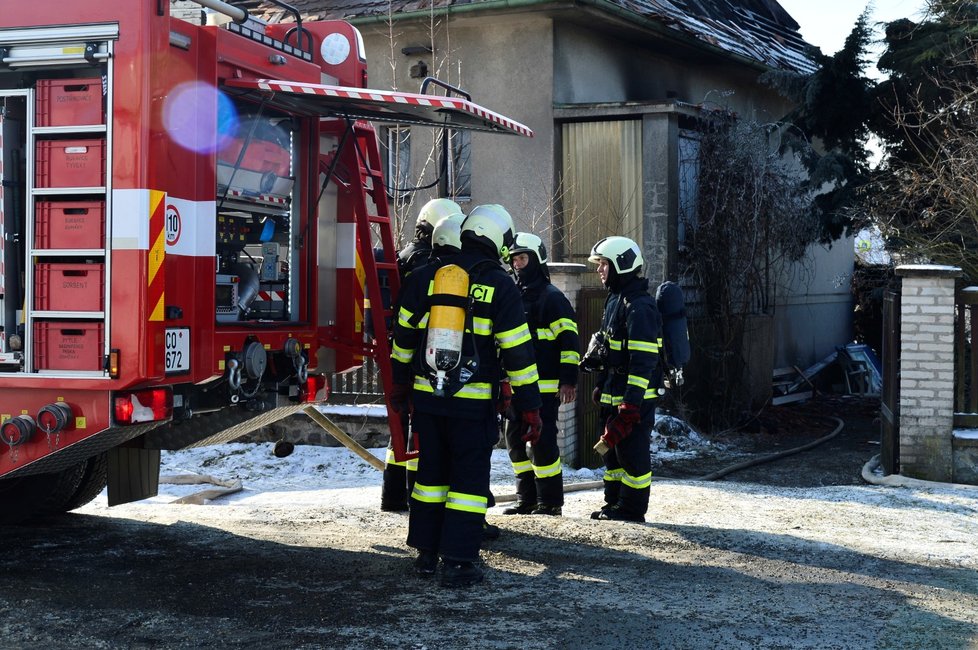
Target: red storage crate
(69, 224)
(69, 102)
(68, 287)
(70, 163)
(63, 345)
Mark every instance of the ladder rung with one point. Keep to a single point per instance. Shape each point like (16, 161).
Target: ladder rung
(378, 219)
(388, 266)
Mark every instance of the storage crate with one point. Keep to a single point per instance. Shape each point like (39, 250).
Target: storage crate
(69, 102)
(63, 345)
(69, 224)
(68, 287)
(70, 163)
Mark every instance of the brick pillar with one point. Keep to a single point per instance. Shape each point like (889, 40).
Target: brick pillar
(927, 370)
(567, 278)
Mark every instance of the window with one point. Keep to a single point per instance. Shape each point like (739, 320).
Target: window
(397, 144)
(457, 183)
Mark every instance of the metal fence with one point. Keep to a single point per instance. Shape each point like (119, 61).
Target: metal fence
(965, 359)
(360, 386)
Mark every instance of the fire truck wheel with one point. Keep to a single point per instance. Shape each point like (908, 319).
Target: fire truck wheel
(92, 482)
(35, 496)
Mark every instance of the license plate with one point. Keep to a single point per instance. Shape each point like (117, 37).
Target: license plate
(177, 349)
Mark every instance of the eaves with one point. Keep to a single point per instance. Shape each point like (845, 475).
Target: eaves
(711, 42)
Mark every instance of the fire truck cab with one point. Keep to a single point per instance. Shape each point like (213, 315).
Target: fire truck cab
(188, 220)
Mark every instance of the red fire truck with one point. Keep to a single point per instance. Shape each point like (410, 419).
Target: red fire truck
(189, 215)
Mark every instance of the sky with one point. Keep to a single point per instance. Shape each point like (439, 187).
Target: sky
(826, 23)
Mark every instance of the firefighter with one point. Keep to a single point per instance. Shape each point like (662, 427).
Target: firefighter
(425, 246)
(418, 249)
(625, 354)
(454, 409)
(551, 319)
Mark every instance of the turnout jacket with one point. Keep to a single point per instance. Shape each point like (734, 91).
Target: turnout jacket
(633, 332)
(556, 343)
(496, 327)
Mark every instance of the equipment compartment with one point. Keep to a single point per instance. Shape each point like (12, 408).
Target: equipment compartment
(69, 102)
(70, 163)
(69, 224)
(68, 345)
(68, 287)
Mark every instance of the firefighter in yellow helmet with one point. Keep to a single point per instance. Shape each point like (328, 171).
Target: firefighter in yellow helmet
(553, 326)
(436, 236)
(453, 406)
(625, 354)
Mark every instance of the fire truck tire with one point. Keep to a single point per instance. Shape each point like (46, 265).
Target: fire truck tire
(92, 483)
(36, 496)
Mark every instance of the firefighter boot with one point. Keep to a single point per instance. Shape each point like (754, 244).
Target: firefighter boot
(393, 494)
(520, 508)
(460, 574)
(614, 513)
(489, 532)
(541, 509)
(426, 563)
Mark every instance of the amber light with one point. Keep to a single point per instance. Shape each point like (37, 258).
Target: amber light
(114, 364)
(143, 406)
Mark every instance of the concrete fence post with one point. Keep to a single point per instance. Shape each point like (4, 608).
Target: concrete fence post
(567, 278)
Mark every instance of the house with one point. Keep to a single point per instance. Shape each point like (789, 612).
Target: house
(611, 89)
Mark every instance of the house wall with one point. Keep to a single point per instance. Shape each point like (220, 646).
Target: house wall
(505, 64)
(813, 312)
(525, 65)
(592, 67)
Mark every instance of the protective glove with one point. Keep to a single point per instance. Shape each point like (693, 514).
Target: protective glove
(596, 396)
(621, 424)
(505, 398)
(532, 426)
(401, 398)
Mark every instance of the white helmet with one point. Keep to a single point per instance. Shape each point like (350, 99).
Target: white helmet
(623, 253)
(527, 242)
(437, 209)
(493, 223)
(448, 232)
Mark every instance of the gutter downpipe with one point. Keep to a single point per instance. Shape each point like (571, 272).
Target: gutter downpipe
(606, 6)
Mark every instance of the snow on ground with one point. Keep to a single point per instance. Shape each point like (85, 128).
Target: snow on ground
(325, 476)
(312, 475)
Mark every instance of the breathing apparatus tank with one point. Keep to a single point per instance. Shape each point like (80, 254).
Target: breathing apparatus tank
(446, 323)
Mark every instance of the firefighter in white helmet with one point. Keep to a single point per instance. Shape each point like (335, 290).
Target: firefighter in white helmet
(625, 354)
(418, 250)
(454, 407)
(436, 236)
(553, 326)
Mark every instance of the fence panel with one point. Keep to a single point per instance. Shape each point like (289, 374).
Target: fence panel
(360, 386)
(890, 398)
(965, 360)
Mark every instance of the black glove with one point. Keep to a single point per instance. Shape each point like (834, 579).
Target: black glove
(532, 425)
(620, 426)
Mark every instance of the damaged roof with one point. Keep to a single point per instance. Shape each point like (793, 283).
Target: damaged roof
(759, 30)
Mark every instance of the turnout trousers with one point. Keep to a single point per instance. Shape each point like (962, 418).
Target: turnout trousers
(398, 477)
(628, 471)
(538, 472)
(449, 499)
